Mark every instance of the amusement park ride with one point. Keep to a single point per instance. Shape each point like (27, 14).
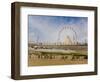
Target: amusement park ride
(66, 36)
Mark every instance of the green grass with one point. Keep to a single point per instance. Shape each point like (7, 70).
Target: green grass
(78, 53)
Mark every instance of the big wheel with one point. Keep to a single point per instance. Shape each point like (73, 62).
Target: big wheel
(67, 36)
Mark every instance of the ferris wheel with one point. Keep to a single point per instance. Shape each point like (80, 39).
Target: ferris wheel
(67, 35)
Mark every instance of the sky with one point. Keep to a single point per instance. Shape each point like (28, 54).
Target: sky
(51, 28)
